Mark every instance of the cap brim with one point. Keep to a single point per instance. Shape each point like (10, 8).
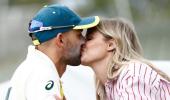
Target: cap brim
(88, 23)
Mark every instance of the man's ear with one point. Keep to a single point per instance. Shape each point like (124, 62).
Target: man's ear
(59, 40)
(111, 45)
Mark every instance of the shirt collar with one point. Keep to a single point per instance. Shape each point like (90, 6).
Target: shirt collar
(32, 52)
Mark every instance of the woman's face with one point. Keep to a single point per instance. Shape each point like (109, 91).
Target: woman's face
(95, 48)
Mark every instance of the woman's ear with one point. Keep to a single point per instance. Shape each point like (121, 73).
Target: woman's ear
(111, 45)
(59, 40)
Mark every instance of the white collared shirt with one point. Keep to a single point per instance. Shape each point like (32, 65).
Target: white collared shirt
(35, 79)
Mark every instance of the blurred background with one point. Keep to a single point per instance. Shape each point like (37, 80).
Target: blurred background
(150, 17)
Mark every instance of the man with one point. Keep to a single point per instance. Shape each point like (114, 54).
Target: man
(56, 34)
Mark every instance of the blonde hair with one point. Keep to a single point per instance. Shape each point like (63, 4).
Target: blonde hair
(127, 48)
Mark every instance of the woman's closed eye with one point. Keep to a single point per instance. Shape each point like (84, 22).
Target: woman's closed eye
(89, 38)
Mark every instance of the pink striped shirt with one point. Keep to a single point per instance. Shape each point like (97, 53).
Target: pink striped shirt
(138, 81)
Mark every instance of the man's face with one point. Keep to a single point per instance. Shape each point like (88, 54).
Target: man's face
(74, 41)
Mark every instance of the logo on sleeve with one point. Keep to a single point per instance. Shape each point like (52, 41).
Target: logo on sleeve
(50, 85)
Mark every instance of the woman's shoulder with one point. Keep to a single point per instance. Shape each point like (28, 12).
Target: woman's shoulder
(137, 68)
(141, 71)
(137, 64)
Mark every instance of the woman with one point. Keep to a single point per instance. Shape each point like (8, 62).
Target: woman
(113, 51)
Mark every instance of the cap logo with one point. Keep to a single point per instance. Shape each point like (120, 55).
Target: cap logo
(50, 85)
(35, 25)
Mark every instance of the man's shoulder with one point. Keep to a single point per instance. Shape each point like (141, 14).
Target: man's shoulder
(31, 69)
(38, 67)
